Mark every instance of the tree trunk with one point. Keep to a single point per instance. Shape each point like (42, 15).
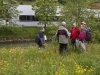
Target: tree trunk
(45, 26)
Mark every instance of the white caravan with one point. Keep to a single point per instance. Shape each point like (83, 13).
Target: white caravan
(27, 16)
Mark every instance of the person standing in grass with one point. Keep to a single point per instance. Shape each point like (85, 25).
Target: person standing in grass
(82, 36)
(88, 32)
(74, 34)
(62, 36)
(40, 38)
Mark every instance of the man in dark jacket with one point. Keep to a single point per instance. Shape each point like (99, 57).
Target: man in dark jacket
(40, 38)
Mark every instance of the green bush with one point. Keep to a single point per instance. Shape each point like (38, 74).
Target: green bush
(51, 30)
(18, 32)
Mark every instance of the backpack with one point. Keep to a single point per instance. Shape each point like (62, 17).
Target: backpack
(62, 32)
(88, 36)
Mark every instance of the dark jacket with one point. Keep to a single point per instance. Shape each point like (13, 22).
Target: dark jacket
(40, 37)
(41, 34)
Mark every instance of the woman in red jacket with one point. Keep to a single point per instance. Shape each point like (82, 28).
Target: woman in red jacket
(74, 34)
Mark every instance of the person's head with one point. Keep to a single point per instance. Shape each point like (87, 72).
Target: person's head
(83, 24)
(43, 29)
(63, 24)
(74, 25)
(82, 27)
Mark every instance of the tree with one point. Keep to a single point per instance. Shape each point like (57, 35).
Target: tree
(8, 10)
(45, 11)
(80, 10)
(76, 10)
(62, 1)
(26, 0)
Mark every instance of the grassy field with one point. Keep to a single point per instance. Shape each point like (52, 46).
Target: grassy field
(32, 61)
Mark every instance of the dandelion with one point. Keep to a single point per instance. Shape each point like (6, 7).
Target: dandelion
(78, 67)
(89, 71)
(86, 66)
(84, 69)
(53, 65)
(63, 65)
(24, 66)
(63, 72)
(75, 63)
(57, 73)
(78, 71)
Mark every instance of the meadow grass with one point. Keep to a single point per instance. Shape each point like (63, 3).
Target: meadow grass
(32, 61)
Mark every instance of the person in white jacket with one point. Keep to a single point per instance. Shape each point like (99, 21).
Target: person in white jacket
(62, 36)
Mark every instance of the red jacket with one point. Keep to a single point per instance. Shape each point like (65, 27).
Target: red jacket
(74, 33)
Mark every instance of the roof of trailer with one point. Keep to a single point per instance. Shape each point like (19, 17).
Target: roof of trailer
(25, 10)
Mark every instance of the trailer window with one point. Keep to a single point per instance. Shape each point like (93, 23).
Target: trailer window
(26, 18)
(22, 18)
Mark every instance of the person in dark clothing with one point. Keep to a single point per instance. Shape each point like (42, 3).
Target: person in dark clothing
(40, 38)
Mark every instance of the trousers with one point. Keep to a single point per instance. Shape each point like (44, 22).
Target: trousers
(63, 47)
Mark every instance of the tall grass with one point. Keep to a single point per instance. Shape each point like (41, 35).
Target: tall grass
(32, 61)
(18, 32)
(10, 32)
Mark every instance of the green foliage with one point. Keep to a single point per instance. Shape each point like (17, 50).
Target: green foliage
(8, 10)
(45, 11)
(96, 36)
(25, 2)
(75, 11)
(62, 1)
(51, 30)
(95, 28)
(18, 32)
(9, 30)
